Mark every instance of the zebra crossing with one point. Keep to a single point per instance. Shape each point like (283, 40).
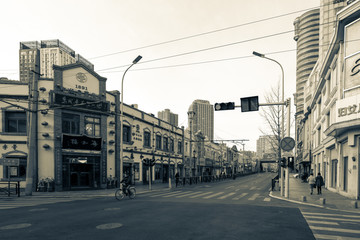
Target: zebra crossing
(333, 225)
(210, 195)
(33, 201)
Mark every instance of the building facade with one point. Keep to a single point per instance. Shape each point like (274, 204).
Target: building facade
(330, 125)
(66, 130)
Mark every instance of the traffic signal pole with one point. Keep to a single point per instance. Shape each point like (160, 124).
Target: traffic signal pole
(288, 104)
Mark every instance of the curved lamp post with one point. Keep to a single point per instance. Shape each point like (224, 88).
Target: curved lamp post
(136, 60)
(282, 112)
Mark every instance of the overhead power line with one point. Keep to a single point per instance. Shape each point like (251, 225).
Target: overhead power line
(204, 33)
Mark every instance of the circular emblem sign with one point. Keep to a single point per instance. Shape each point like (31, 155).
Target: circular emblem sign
(81, 77)
(287, 143)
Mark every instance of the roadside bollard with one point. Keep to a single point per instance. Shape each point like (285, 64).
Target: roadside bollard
(303, 198)
(354, 204)
(322, 201)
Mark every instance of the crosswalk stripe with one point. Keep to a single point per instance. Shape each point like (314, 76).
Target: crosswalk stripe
(164, 194)
(227, 195)
(254, 197)
(229, 187)
(31, 202)
(331, 214)
(185, 195)
(267, 199)
(323, 222)
(173, 194)
(332, 237)
(242, 195)
(201, 194)
(335, 229)
(333, 218)
(213, 195)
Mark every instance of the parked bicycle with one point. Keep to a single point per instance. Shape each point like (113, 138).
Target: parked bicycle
(122, 192)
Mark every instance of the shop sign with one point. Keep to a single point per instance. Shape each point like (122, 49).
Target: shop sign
(348, 109)
(67, 100)
(208, 162)
(10, 162)
(81, 142)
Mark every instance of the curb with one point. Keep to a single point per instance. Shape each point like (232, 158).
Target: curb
(310, 204)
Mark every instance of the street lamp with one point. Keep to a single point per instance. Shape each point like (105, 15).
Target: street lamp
(136, 60)
(191, 115)
(282, 112)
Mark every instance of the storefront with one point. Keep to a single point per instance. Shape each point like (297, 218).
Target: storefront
(80, 172)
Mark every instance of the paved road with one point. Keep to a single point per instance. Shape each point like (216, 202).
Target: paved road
(239, 209)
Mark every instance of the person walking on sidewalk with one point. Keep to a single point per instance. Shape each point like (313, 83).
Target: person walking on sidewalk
(177, 177)
(311, 181)
(319, 183)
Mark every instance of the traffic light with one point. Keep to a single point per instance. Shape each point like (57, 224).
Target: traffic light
(249, 104)
(283, 162)
(224, 106)
(291, 162)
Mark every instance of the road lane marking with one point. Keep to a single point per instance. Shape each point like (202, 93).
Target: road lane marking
(213, 195)
(201, 194)
(227, 195)
(267, 199)
(229, 187)
(252, 188)
(254, 197)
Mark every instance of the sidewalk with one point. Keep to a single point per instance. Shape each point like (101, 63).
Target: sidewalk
(299, 192)
(140, 188)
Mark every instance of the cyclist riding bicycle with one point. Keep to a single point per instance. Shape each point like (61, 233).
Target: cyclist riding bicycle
(126, 182)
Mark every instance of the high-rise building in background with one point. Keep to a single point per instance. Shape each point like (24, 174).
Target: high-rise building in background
(266, 145)
(44, 55)
(203, 118)
(307, 38)
(169, 117)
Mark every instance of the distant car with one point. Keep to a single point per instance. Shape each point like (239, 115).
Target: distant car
(296, 175)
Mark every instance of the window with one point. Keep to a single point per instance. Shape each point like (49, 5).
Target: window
(70, 123)
(179, 150)
(158, 142)
(334, 167)
(319, 136)
(92, 126)
(15, 122)
(126, 134)
(171, 145)
(166, 146)
(147, 139)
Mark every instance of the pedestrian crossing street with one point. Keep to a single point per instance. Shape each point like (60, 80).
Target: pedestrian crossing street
(33, 201)
(209, 195)
(344, 226)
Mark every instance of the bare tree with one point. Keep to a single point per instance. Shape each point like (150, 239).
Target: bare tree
(272, 116)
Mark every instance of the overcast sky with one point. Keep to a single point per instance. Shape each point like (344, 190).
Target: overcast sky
(192, 49)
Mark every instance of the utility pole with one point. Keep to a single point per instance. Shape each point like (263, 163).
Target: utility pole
(32, 136)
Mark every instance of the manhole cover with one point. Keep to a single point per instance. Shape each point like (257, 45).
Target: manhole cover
(109, 226)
